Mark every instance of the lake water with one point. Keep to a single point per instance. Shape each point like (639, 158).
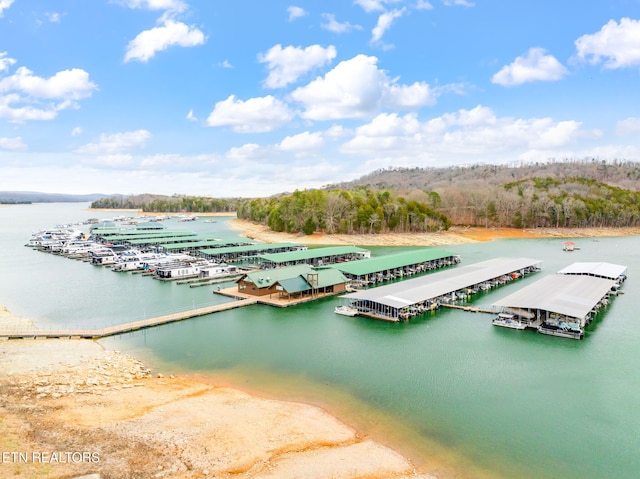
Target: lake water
(450, 390)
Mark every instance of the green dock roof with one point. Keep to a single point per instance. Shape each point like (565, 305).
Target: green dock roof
(246, 248)
(204, 243)
(142, 235)
(266, 278)
(398, 260)
(311, 253)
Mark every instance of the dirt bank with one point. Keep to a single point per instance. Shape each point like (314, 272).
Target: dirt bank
(70, 408)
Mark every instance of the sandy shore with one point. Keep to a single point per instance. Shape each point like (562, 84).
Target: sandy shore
(455, 235)
(71, 408)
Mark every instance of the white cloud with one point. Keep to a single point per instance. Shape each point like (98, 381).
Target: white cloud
(5, 61)
(423, 5)
(116, 143)
(24, 96)
(166, 5)
(191, 116)
(384, 23)
(374, 5)
(628, 126)
(71, 84)
(147, 43)
(225, 64)
(536, 65)
(260, 114)
(295, 12)
(618, 44)
(356, 88)
(303, 144)
(332, 25)
(247, 151)
(12, 144)
(4, 4)
(461, 137)
(77, 131)
(287, 64)
(53, 17)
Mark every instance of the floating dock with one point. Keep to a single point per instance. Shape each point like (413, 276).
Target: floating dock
(126, 327)
(402, 300)
(313, 256)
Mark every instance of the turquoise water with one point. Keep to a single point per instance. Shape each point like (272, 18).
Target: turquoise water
(504, 402)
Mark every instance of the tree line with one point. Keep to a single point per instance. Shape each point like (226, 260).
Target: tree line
(169, 204)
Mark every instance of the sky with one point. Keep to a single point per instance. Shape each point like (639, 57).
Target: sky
(251, 98)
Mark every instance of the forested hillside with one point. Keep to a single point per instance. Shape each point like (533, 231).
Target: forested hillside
(168, 204)
(586, 193)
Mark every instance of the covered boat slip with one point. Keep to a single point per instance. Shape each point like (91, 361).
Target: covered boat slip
(402, 300)
(313, 257)
(616, 272)
(127, 238)
(199, 243)
(369, 271)
(247, 252)
(558, 304)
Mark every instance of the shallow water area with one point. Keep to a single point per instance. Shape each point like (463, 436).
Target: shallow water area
(482, 400)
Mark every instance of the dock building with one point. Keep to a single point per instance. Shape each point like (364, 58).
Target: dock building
(313, 257)
(292, 282)
(123, 237)
(367, 272)
(563, 304)
(194, 247)
(247, 252)
(405, 299)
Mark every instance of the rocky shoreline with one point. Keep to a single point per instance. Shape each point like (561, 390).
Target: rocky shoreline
(71, 409)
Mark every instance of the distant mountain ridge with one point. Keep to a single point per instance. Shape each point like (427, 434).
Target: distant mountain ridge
(39, 197)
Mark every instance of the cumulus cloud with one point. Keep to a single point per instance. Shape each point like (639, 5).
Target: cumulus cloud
(25, 96)
(12, 144)
(77, 131)
(295, 12)
(384, 23)
(536, 65)
(4, 4)
(303, 144)
(53, 17)
(453, 3)
(628, 126)
(617, 44)
(332, 25)
(254, 115)
(191, 116)
(149, 42)
(116, 143)
(423, 5)
(165, 5)
(356, 88)
(461, 136)
(287, 64)
(5, 61)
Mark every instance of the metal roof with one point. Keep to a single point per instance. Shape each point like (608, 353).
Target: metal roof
(266, 278)
(311, 253)
(573, 296)
(204, 243)
(413, 291)
(247, 248)
(603, 270)
(141, 235)
(373, 265)
(294, 285)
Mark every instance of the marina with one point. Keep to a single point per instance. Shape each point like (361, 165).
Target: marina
(247, 252)
(400, 301)
(313, 256)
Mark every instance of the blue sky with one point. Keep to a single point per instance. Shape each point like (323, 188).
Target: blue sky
(254, 97)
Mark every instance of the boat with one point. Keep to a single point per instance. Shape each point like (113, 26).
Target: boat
(562, 330)
(506, 320)
(569, 246)
(346, 310)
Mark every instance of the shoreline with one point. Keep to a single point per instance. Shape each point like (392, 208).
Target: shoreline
(455, 235)
(85, 397)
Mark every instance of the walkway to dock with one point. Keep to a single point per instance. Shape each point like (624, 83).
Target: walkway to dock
(126, 327)
(473, 309)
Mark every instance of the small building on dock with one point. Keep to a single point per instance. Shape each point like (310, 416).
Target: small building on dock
(558, 304)
(292, 281)
(313, 256)
(247, 252)
(405, 299)
(367, 272)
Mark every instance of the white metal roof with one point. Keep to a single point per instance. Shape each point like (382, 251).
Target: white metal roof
(412, 291)
(573, 296)
(603, 270)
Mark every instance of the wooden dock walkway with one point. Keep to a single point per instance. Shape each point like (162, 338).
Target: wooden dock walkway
(473, 309)
(126, 327)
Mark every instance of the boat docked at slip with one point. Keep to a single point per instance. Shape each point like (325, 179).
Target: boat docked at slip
(135, 260)
(564, 330)
(507, 320)
(181, 269)
(346, 310)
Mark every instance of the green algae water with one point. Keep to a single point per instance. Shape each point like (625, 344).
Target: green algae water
(450, 389)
